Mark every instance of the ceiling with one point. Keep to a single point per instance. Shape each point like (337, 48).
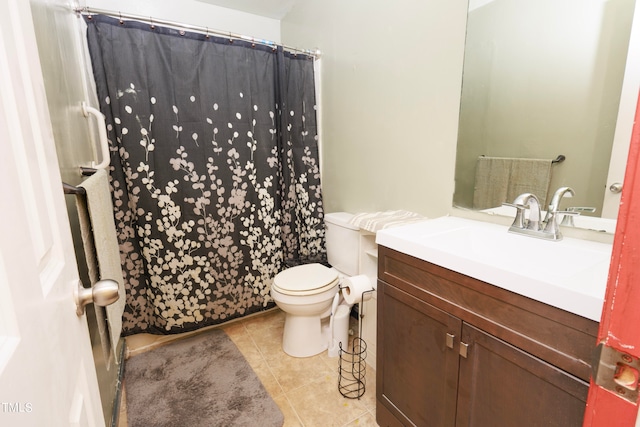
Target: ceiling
(275, 9)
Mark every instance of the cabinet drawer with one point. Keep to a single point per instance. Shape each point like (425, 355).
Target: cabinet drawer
(560, 338)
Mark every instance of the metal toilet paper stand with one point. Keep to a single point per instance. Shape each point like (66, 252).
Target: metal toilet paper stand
(352, 367)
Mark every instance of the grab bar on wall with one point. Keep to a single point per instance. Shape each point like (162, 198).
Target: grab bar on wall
(102, 136)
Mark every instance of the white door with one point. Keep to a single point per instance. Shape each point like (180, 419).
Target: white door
(47, 375)
(626, 115)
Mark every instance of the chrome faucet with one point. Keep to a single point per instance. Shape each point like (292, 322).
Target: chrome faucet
(521, 203)
(551, 219)
(531, 200)
(546, 229)
(555, 201)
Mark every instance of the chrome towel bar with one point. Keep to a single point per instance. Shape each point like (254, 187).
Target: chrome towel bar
(70, 189)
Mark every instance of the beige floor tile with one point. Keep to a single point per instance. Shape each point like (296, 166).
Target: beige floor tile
(266, 322)
(290, 417)
(295, 372)
(234, 328)
(369, 397)
(268, 339)
(366, 420)
(247, 347)
(270, 345)
(319, 404)
(268, 379)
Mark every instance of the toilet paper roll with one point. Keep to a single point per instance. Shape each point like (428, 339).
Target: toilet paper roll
(353, 287)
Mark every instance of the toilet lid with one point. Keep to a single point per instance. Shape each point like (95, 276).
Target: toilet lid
(307, 279)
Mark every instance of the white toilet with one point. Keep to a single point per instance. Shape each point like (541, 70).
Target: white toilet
(306, 292)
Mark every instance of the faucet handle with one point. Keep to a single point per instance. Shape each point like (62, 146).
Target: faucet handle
(567, 218)
(518, 221)
(581, 209)
(568, 213)
(552, 225)
(516, 205)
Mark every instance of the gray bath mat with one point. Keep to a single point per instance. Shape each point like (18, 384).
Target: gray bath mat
(199, 381)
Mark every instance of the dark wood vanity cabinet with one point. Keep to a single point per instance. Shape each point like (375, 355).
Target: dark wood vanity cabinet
(455, 351)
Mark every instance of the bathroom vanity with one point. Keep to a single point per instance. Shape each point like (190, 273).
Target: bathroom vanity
(463, 338)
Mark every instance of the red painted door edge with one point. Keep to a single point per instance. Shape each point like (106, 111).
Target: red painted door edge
(620, 322)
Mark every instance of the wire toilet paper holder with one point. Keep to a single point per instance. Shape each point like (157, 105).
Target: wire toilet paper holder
(352, 366)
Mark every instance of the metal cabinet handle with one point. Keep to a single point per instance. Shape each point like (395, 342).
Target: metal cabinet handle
(449, 340)
(103, 293)
(464, 349)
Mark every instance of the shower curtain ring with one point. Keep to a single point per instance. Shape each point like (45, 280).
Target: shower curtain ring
(153, 26)
(121, 21)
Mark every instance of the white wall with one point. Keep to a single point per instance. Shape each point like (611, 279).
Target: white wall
(197, 14)
(391, 79)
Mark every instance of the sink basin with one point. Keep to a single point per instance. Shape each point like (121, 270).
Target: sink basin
(570, 274)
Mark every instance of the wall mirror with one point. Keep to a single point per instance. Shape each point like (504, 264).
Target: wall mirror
(541, 79)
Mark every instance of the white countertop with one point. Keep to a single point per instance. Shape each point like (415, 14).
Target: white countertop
(570, 274)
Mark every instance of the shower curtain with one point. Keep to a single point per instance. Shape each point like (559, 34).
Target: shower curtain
(214, 170)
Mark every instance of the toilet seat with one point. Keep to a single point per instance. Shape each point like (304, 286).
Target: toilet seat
(307, 279)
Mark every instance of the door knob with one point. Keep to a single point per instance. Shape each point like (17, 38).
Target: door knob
(103, 293)
(616, 187)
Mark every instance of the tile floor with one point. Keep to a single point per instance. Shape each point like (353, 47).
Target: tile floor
(305, 389)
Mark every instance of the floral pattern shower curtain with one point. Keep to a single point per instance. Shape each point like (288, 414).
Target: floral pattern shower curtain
(214, 170)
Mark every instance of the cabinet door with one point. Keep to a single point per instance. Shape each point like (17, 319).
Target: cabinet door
(417, 364)
(501, 385)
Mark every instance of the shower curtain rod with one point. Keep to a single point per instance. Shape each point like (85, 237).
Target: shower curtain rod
(194, 28)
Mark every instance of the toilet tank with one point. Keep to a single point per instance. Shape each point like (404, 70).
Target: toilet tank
(343, 242)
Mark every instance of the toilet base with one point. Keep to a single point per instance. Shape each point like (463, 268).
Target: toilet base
(304, 336)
